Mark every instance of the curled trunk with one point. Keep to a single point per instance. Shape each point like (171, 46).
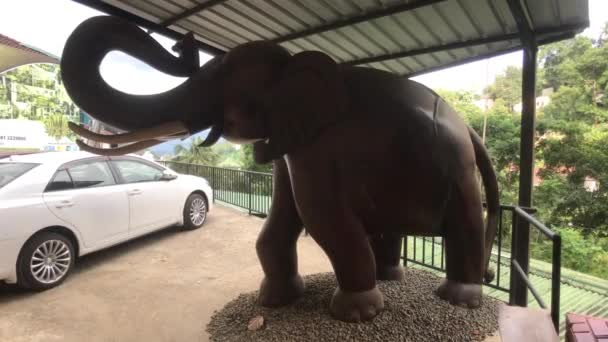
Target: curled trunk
(194, 103)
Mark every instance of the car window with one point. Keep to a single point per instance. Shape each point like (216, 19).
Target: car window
(133, 171)
(91, 175)
(12, 171)
(61, 181)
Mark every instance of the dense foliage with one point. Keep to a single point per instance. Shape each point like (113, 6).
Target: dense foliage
(35, 92)
(571, 155)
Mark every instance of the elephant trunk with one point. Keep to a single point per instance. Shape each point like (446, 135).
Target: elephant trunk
(188, 108)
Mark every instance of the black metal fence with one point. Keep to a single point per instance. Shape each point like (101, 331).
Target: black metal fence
(430, 252)
(253, 191)
(244, 189)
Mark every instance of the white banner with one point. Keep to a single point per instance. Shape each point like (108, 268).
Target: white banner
(22, 134)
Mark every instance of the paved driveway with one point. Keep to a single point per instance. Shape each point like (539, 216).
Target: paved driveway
(163, 287)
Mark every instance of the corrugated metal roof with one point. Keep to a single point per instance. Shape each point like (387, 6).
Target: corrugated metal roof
(407, 37)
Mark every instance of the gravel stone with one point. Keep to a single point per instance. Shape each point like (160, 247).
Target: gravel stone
(412, 312)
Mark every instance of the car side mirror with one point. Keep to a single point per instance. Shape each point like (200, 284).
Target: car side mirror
(168, 176)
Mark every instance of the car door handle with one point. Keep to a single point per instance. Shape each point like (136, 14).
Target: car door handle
(134, 192)
(64, 204)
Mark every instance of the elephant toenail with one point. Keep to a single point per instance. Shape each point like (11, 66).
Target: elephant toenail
(369, 313)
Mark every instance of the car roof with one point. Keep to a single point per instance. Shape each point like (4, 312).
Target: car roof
(57, 158)
(48, 157)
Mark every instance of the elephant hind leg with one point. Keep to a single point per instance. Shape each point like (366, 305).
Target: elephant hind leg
(464, 243)
(387, 252)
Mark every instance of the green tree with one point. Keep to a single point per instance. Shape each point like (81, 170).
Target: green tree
(573, 135)
(39, 87)
(559, 61)
(584, 254)
(570, 146)
(56, 126)
(502, 137)
(195, 154)
(249, 163)
(507, 87)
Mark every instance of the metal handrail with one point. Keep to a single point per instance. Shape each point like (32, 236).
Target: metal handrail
(556, 260)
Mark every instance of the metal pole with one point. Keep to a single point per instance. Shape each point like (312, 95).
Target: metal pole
(513, 276)
(404, 242)
(214, 183)
(555, 280)
(249, 190)
(526, 168)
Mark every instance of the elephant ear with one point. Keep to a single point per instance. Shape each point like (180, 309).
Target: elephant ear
(309, 96)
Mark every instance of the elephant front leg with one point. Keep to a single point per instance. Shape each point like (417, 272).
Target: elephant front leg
(387, 252)
(276, 245)
(327, 213)
(357, 297)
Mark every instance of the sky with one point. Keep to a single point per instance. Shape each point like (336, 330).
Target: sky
(46, 24)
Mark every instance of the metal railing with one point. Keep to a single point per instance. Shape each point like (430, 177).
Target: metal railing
(252, 191)
(430, 252)
(556, 257)
(244, 189)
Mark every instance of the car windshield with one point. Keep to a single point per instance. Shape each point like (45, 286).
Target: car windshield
(11, 171)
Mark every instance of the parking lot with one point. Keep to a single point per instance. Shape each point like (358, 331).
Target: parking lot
(163, 287)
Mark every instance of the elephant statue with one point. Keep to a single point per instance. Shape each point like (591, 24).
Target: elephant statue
(360, 156)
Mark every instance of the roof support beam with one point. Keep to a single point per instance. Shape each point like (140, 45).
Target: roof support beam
(383, 12)
(524, 26)
(518, 294)
(191, 11)
(112, 10)
(458, 45)
(432, 49)
(472, 59)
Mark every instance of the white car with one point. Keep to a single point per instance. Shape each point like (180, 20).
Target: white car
(57, 206)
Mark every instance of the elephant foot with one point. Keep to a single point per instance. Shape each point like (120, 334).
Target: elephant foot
(390, 273)
(275, 292)
(467, 295)
(356, 306)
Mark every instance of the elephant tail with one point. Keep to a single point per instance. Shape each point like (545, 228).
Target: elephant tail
(484, 163)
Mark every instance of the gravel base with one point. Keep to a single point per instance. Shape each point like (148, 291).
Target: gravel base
(412, 313)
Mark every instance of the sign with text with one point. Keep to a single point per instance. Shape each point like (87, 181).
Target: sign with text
(22, 134)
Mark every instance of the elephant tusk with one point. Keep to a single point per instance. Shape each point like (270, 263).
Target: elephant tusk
(213, 136)
(119, 150)
(164, 130)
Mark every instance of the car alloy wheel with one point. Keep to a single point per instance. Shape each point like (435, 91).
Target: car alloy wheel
(198, 211)
(45, 260)
(195, 211)
(50, 261)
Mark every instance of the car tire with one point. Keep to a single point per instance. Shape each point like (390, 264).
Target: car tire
(195, 212)
(45, 261)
